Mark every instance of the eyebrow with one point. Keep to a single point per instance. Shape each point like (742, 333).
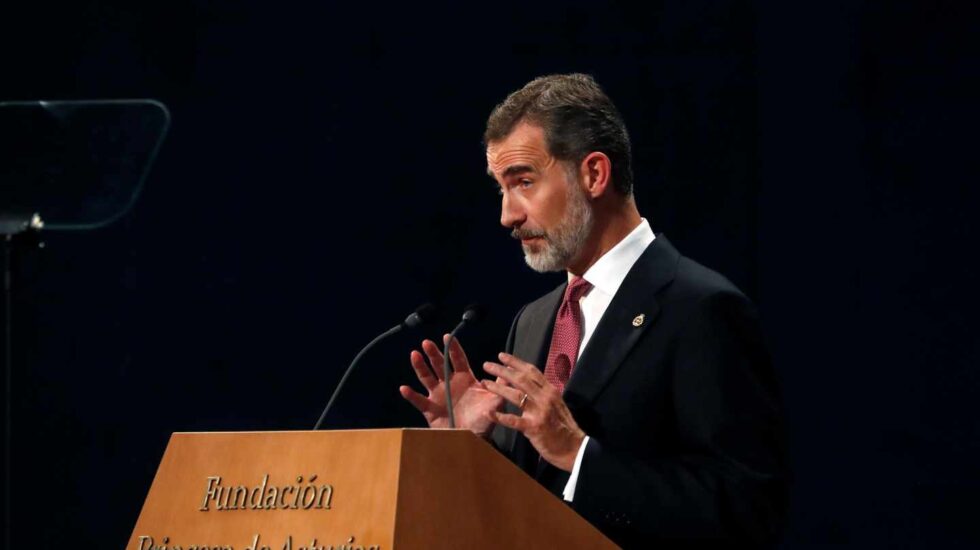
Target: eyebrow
(513, 170)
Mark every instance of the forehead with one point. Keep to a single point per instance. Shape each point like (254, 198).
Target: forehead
(525, 145)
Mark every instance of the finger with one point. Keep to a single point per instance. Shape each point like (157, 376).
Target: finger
(502, 381)
(515, 363)
(510, 394)
(422, 371)
(509, 420)
(434, 354)
(512, 377)
(424, 406)
(458, 357)
(534, 375)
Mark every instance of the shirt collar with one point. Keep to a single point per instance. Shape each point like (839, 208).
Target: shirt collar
(610, 270)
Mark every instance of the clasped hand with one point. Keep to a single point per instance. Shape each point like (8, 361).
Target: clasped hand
(477, 405)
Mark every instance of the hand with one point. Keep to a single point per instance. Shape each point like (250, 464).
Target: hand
(471, 402)
(545, 419)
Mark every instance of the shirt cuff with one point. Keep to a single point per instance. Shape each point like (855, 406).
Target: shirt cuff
(569, 493)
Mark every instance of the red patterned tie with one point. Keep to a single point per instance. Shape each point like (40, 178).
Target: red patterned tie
(567, 337)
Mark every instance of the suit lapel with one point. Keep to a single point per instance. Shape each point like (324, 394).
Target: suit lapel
(536, 326)
(620, 327)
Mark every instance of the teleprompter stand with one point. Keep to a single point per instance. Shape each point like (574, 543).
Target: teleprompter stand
(65, 165)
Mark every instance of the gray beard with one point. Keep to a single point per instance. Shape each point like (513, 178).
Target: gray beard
(566, 240)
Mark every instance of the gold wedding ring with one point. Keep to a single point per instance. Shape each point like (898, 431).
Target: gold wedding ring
(523, 401)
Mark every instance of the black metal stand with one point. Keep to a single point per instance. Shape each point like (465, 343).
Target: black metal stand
(8, 391)
(10, 226)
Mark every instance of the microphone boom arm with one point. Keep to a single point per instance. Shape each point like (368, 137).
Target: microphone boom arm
(447, 372)
(350, 369)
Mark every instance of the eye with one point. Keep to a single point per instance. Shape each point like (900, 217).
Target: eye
(525, 183)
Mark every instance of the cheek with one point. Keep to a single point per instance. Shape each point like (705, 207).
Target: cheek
(550, 209)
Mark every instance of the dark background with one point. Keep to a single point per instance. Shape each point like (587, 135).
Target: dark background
(324, 175)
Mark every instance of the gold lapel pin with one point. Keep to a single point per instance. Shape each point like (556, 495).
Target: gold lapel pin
(638, 320)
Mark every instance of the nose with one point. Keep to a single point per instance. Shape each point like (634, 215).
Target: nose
(511, 213)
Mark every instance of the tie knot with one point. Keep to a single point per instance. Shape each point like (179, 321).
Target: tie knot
(577, 288)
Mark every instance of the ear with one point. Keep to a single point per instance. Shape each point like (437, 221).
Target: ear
(595, 173)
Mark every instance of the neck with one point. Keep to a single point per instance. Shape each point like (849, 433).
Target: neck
(612, 224)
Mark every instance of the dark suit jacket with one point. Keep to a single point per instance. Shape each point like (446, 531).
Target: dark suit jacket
(683, 412)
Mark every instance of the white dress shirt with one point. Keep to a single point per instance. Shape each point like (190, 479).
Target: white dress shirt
(606, 275)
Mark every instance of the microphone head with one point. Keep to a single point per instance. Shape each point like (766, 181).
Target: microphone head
(422, 314)
(474, 313)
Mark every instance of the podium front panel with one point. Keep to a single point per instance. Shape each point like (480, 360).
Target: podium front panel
(273, 491)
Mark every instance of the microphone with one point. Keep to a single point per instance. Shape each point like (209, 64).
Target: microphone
(474, 313)
(421, 315)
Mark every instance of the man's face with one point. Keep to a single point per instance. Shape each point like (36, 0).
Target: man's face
(541, 199)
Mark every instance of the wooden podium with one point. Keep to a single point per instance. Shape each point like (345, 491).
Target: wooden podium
(358, 489)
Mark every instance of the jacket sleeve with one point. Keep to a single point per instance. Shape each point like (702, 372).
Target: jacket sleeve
(727, 483)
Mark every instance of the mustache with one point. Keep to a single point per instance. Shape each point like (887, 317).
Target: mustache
(528, 234)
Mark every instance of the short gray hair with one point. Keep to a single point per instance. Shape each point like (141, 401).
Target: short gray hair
(577, 118)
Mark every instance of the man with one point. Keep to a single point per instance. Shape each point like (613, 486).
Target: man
(640, 391)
